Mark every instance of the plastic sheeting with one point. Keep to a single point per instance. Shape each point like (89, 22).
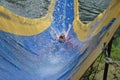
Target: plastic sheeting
(29, 50)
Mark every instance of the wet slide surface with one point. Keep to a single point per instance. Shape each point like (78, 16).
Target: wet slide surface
(42, 56)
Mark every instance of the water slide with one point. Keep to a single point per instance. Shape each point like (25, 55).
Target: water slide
(56, 46)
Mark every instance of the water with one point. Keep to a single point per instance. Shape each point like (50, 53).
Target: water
(41, 55)
(89, 9)
(27, 8)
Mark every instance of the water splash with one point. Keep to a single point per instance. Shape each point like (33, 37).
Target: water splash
(57, 35)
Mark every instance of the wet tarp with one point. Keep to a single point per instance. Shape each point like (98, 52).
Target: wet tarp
(33, 49)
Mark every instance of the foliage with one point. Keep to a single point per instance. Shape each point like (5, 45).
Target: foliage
(115, 55)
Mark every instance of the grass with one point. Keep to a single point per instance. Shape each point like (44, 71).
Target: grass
(114, 71)
(115, 54)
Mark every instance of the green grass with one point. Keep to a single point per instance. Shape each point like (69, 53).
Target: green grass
(115, 54)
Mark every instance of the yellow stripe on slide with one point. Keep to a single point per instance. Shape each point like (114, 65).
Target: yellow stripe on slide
(83, 31)
(12, 23)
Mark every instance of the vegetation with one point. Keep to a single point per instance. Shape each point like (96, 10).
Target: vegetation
(115, 55)
(95, 72)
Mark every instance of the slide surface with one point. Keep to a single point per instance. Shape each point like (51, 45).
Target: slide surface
(57, 46)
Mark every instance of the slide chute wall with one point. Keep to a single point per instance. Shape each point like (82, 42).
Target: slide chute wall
(30, 48)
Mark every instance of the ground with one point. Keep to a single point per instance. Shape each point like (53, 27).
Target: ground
(95, 72)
